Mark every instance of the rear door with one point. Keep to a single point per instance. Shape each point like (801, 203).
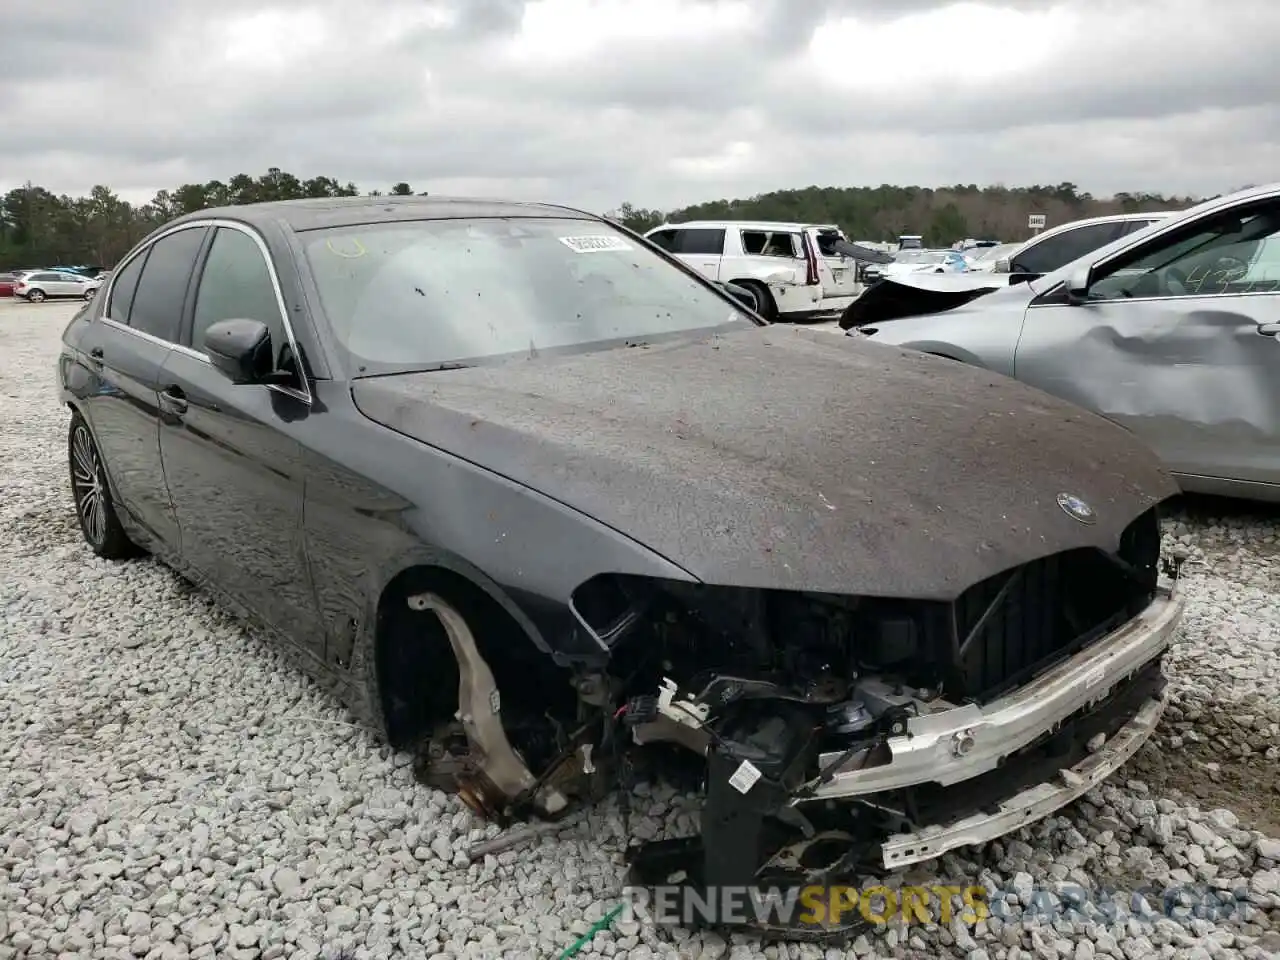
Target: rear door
(1178, 342)
(47, 282)
(701, 248)
(234, 468)
(125, 348)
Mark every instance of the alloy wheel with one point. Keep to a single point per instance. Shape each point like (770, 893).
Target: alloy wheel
(88, 487)
(36, 296)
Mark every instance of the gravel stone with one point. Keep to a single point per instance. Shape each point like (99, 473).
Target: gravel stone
(172, 789)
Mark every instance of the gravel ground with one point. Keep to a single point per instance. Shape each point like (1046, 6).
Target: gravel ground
(169, 787)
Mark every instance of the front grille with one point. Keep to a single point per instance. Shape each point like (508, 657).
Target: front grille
(1011, 626)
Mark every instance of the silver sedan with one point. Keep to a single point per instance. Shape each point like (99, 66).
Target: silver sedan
(1170, 331)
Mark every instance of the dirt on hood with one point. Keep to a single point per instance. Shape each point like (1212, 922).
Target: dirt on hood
(788, 458)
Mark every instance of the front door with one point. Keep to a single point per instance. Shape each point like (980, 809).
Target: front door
(234, 469)
(1176, 341)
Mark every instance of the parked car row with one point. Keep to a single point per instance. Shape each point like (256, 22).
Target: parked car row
(37, 286)
(533, 493)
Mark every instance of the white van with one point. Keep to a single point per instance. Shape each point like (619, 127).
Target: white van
(791, 268)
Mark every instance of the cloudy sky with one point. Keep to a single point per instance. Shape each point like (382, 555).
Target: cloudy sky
(659, 102)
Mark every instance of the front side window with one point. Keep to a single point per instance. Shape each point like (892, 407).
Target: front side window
(157, 303)
(1062, 248)
(1221, 253)
(665, 239)
(426, 293)
(236, 284)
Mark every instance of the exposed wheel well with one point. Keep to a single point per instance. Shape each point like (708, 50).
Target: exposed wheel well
(416, 669)
(766, 306)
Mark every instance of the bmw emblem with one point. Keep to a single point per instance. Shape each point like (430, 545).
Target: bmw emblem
(1076, 509)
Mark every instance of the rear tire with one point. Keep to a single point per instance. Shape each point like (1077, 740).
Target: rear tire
(766, 306)
(88, 294)
(95, 508)
(35, 296)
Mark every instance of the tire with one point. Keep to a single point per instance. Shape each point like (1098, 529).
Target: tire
(91, 495)
(88, 294)
(766, 306)
(35, 296)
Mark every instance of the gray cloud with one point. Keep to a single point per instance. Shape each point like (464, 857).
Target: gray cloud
(1154, 94)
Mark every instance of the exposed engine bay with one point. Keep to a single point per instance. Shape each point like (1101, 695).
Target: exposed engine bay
(829, 734)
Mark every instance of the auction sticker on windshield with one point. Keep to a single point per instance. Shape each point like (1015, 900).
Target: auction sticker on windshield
(597, 244)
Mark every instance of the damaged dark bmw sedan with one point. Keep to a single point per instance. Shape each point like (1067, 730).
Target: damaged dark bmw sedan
(540, 502)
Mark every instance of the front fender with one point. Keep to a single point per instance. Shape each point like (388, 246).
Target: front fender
(942, 348)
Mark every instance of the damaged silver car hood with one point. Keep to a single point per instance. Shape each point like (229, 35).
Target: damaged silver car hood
(785, 458)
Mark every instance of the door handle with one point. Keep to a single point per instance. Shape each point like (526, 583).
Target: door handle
(95, 356)
(1269, 329)
(173, 401)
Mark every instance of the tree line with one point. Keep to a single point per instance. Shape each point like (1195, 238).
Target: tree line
(41, 228)
(940, 215)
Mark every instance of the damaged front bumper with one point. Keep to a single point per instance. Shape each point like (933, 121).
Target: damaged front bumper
(946, 777)
(960, 743)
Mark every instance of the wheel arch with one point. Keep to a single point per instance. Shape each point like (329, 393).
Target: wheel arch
(766, 302)
(412, 672)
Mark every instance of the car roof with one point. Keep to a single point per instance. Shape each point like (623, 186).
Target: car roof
(743, 225)
(318, 213)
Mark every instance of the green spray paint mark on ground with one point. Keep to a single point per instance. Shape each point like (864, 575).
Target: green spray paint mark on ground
(602, 924)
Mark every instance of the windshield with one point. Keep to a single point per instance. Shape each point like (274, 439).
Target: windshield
(995, 253)
(921, 256)
(427, 293)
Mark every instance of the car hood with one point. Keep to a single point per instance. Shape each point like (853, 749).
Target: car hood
(789, 458)
(914, 295)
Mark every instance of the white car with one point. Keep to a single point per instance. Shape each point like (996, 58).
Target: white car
(984, 259)
(792, 269)
(39, 285)
(1058, 246)
(907, 262)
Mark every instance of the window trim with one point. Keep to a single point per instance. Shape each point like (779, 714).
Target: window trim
(197, 274)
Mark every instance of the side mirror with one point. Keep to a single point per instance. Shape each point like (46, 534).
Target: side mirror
(1077, 286)
(744, 296)
(1003, 266)
(241, 349)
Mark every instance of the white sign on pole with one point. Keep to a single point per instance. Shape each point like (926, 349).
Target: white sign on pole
(1036, 221)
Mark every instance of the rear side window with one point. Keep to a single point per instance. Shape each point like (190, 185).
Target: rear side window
(701, 240)
(762, 243)
(125, 286)
(1060, 249)
(157, 303)
(44, 278)
(236, 284)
